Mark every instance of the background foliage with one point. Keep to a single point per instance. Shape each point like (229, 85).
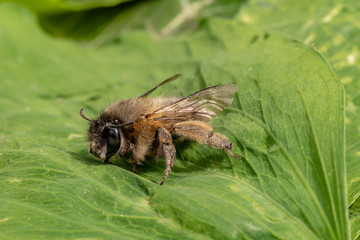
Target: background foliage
(287, 120)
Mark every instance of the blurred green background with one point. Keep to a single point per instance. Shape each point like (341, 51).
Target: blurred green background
(299, 176)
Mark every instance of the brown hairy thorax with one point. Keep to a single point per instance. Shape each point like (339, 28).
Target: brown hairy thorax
(138, 127)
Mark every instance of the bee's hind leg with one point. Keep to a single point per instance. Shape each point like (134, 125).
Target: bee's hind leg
(202, 133)
(167, 149)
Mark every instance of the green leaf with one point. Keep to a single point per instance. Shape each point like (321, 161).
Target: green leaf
(332, 27)
(161, 18)
(290, 181)
(354, 213)
(48, 7)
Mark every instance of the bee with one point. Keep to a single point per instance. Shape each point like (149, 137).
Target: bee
(142, 126)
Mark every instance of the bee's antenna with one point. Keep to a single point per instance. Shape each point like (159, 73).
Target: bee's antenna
(122, 125)
(162, 83)
(85, 117)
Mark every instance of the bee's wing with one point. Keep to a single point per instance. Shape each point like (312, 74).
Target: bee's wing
(202, 105)
(162, 83)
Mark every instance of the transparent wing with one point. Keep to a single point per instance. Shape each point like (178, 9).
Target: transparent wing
(202, 105)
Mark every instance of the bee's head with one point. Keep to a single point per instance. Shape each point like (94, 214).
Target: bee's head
(104, 140)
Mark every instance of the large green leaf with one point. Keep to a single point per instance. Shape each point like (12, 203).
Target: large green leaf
(290, 182)
(331, 26)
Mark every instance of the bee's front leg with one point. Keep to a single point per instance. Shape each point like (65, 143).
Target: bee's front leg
(133, 164)
(167, 149)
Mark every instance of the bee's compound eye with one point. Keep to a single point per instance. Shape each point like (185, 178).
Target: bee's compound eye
(113, 142)
(113, 136)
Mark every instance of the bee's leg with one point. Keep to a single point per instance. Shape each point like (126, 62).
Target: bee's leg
(133, 164)
(134, 169)
(202, 133)
(167, 148)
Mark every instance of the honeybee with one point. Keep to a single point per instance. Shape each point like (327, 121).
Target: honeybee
(140, 127)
